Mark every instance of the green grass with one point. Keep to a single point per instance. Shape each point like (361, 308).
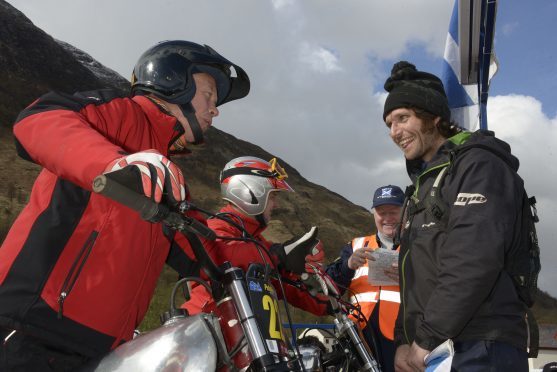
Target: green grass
(160, 302)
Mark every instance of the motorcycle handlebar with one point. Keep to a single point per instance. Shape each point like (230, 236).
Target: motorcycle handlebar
(155, 212)
(148, 209)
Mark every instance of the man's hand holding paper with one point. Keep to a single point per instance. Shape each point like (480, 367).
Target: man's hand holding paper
(360, 257)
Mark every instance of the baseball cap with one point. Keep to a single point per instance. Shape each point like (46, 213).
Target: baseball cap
(389, 194)
(552, 366)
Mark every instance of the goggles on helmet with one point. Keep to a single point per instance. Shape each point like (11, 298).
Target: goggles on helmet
(274, 171)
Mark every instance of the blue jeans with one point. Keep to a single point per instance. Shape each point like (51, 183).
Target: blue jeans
(492, 356)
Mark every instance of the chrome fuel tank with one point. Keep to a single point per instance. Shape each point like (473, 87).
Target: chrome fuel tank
(184, 344)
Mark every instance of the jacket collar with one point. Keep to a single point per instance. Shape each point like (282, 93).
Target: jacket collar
(417, 167)
(167, 128)
(252, 226)
(462, 142)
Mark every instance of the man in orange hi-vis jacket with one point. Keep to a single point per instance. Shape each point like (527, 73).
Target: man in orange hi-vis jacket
(379, 304)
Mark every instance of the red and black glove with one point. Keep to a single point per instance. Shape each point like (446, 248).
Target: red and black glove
(320, 283)
(315, 258)
(150, 173)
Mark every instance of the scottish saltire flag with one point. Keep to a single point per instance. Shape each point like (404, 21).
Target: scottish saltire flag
(463, 99)
(469, 62)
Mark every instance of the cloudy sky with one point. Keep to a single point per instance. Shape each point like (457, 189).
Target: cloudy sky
(317, 68)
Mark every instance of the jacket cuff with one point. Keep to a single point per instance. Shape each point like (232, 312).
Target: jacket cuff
(427, 342)
(347, 272)
(278, 255)
(399, 341)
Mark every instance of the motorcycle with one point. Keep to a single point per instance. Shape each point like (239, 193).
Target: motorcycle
(242, 330)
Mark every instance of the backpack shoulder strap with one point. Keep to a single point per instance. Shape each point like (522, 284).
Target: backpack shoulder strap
(432, 203)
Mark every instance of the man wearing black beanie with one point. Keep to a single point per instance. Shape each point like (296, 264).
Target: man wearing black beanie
(461, 220)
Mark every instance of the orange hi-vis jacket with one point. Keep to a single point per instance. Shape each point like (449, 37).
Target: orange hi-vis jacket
(368, 296)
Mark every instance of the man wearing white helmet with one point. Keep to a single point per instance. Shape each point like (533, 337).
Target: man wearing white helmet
(250, 187)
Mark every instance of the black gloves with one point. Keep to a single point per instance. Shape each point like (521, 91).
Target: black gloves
(292, 253)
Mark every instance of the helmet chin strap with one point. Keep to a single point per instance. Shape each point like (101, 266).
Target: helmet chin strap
(259, 218)
(189, 113)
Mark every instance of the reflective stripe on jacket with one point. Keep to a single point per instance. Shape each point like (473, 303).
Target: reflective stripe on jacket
(367, 296)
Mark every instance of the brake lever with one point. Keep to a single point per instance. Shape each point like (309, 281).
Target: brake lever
(315, 284)
(181, 222)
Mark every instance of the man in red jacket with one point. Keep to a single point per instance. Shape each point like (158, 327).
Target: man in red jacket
(77, 270)
(250, 186)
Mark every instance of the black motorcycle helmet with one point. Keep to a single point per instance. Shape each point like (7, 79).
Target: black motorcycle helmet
(166, 70)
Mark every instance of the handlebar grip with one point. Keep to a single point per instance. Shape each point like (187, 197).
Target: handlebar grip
(147, 209)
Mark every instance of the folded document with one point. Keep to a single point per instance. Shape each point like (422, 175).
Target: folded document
(384, 259)
(441, 358)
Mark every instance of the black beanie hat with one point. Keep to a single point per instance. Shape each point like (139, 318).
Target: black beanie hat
(410, 87)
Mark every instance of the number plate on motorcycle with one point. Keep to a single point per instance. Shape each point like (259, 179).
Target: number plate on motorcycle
(264, 303)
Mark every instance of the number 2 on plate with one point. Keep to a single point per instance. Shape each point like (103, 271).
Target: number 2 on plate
(270, 304)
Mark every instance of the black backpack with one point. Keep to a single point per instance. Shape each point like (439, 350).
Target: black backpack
(523, 260)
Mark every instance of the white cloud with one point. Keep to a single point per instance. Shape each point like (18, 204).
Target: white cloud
(319, 58)
(519, 121)
(280, 4)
